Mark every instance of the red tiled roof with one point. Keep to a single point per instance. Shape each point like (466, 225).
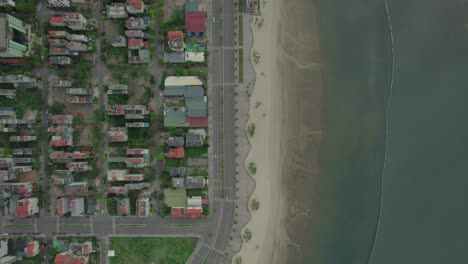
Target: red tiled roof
(22, 211)
(133, 42)
(54, 20)
(198, 121)
(30, 249)
(64, 258)
(136, 4)
(174, 35)
(204, 201)
(86, 249)
(123, 210)
(177, 212)
(195, 21)
(176, 153)
(193, 212)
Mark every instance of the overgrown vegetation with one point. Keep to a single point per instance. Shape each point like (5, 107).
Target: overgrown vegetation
(247, 235)
(251, 129)
(255, 204)
(252, 168)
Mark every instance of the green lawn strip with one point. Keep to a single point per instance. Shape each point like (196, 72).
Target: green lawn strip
(241, 30)
(152, 250)
(20, 225)
(241, 65)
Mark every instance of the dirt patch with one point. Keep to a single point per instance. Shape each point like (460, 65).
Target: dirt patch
(85, 135)
(137, 88)
(58, 190)
(110, 28)
(30, 176)
(29, 114)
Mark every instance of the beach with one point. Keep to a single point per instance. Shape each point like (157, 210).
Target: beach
(285, 106)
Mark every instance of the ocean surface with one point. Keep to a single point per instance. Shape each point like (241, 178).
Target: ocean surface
(424, 213)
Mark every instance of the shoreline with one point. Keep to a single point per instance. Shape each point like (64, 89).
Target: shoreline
(282, 80)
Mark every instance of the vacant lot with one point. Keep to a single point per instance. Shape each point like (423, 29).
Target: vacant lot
(152, 250)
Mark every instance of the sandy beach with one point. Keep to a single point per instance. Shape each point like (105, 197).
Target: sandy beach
(285, 107)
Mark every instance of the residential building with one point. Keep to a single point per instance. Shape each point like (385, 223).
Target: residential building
(116, 41)
(178, 182)
(193, 212)
(79, 249)
(139, 56)
(122, 175)
(80, 99)
(194, 201)
(26, 207)
(62, 180)
(61, 119)
(177, 172)
(143, 207)
(61, 43)
(123, 190)
(7, 113)
(135, 43)
(14, 37)
(59, 60)
(182, 81)
(70, 37)
(22, 151)
(137, 162)
(68, 258)
(175, 141)
(61, 83)
(9, 94)
(117, 134)
(19, 81)
(193, 140)
(58, 3)
(78, 166)
(117, 89)
(136, 34)
(62, 140)
(135, 7)
(175, 40)
(77, 188)
(78, 91)
(32, 248)
(22, 138)
(77, 206)
(20, 189)
(137, 124)
(174, 57)
(137, 23)
(195, 56)
(116, 10)
(195, 23)
(74, 21)
(123, 206)
(130, 111)
(191, 6)
(77, 46)
(3, 247)
(7, 2)
(8, 260)
(176, 153)
(195, 182)
(177, 211)
(138, 152)
(63, 206)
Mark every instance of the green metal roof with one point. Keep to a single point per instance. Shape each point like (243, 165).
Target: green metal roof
(186, 91)
(191, 6)
(175, 197)
(175, 117)
(196, 108)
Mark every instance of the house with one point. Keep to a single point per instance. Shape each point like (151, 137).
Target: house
(195, 56)
(139, 56)
(32, 248)
(117, 134)
(26, 207)
(136, 34)
(22, 138)
(178, 182)
(193, 140)
(116, 10)
(80, 99)
(8, 259)
(177, 211)
(19, 81)
(135, 43)
(135, 7)
(20, 189)
(13, 37)
(62, 180)
(176, 153)
(195, 182)
(22, 151)
(195, 23)
(58, 3)
(137, 124)
(130, 111)
(116, 41)
(62, 140)
(177, 172)
(77, 46)
(77, 188)
(175, 40)
(63, 206)
(59, 60)
(194, 201)
(182, 81)
(9, 94)
(175, 141)
(90, 206)
(196, 106)
(117, 89)
(175, 197)
(61, 43)
(174, 57)
(3, 247)
(68, 258)
(123, 206)
(78, 91)
(137, 23)
(61, 83)
(122, 175)
(62, 119)
(77, 206)
(74, 21)
(60, 34)
(79, 249)
(191, 6)
(143, 207)
(193, 212)
(7, 113)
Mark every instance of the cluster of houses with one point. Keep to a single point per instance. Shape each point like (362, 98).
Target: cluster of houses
(16, 199)
(73, 253)
(185, 102)
(18, 249)
(133, 114)
(18, 82)
(135, 39)
(74, 95)
(66, 3)
(63, 44)
(195, 25)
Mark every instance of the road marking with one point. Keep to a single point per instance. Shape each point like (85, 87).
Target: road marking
(135, 225)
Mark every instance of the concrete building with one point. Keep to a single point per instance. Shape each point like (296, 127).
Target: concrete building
(77, 207)
(32, 248)
(116, 10)
(7, 2)
(122, 175)
(26, 207)
(74, 21)
(61, 83)
(77, 188)
(14, 36)
(123, 206)
(117, 41)
(117, 89)
(59, 60)
(143, 207)
(58, 3)
(139, 56)
(137, 23)
(19, 81)
(63, 206)
(117, 134)
(135, 7)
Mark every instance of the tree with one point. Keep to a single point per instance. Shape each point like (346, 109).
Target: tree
(255, 205)
(251, 129)
(252, 168)
(247, 235)
(56, 108)
(238, 260)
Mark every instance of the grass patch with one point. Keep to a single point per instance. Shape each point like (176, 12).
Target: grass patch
(152, 250)
(241, 65)
(241, 30)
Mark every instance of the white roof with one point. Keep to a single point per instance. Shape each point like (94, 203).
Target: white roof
(111, 253)
(195, 201)
(194, 56)
(182, 81)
